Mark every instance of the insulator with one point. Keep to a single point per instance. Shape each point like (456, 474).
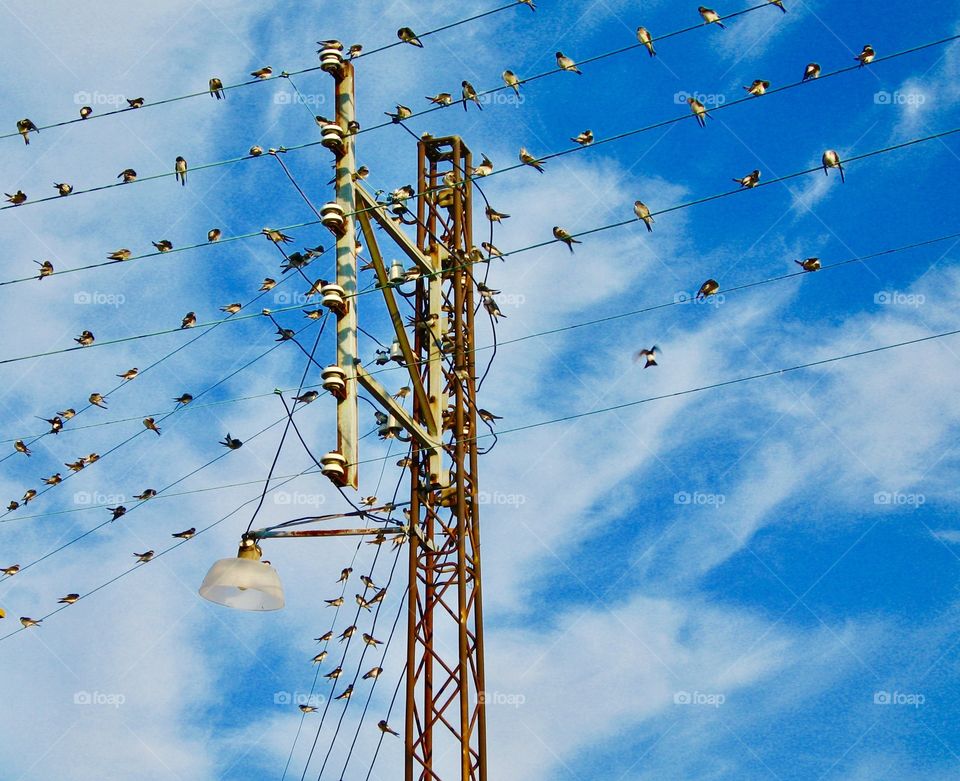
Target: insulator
(334, 380)
(331, 215)
(334, 298)
(398, 274)
(390, 429)
(331, 136)
(396, 354)
(331, 59)
(334, 466)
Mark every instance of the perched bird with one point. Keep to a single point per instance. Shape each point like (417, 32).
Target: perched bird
(530, 3)
(277, 237)
(752, 179)
(92, 457)
(231, 442)
(77, 465)
(145, 495)
(17, 198)
(120, 254)
(180, 171)
(85, 111)
(97, 400)
(20, 447)
(69, 599)
(810, 264)
(11, 570)
(494, 216)
(135, 103)
(13, 506)
(54, 479)
(527, 159)
(232, 309)
(308, 708)
(255, 151)
(866, 56)
(584, 139)
(320, 658)
(184, 398)
(313, 314)
(778, 4)
(511, 80)
(285, 334)
(485, 168)
(334, 674)
(354, 50)
(325, 637)
(488, 417)
(441, 99)
(832, 160)
(758, 87)
(711, 17)
(216, 88)
(648, 355)
(24, 126)
(117, 512)
(564, 63)
(28, 622)
(371, 640)
(362, 602)
(490, 304)
(345, 574)
(402, 113)
(128, 175)
(812, 71)
(366, 579)
(402, 393)
(143, 558)
(151, 425)
(129, 374)
(382, 724)
(214, 234)
(407, 35)
(262, 73)
(699, 111)
(643, 213)
(85, 339)
(307, 398)
(491, 249)
(56, 424)
(189, 320)
(334, 602)
(467, 92)
(561, 235)
(346, 693)
(67, 413)
(347, 633)
(164, 245)
(63, 188)
(374, 672)
(708, 288)
(643, 35)
(295, 260)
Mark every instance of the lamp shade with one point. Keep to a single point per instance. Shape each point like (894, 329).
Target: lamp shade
(243, 584)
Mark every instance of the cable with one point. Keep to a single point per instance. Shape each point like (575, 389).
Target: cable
(393, 700)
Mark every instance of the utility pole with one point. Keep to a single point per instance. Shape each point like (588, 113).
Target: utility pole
(445, 733)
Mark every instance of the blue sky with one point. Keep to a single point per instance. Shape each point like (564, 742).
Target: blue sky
(754, 582)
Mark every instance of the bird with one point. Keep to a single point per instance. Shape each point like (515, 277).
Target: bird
(56, 424)
(216, 88)
(67, 413)
(347, 633)
(186, 534)
(69, 599)
(778, 4)
(711, 17)
(382, 724)
(77, 465)
(491, 249)
(308, 708)
(13, 506)
(85, 111)
(643, 35)
(643, 213)
(758, 87)
(180, 171)
(488, 417)
(164, 245)
(24, 126)
(307, 398)
(150, 424)
(135, 102)
(528, 159)
(371, 640)
(564, 63)
(402, 393)
(708, 288)
(145, 495)
(11, 570)
(406, 35)
(832, 160)
(28, 622)
(63, 188)
(17, 198)
(402, 112)
(584, 139)
(373, 672)
(334, 674)
(189, 320)
(354, 50)
(256, 151)
(334, 602)
(129, 374)
(346, 693)
(97, 400)
(231, 442)
(214, 234)
(28, 495)
(232, 309)
(120, 254)
(295, 260)
(144, 557)
(648, 355)
(362, 602)
(323, 638)
(320, 658)
(441, 99)
(117, 512)
(345, 574)
(866, 56)
(277, 237)
(128, 175)
(494, 216)
(699, 111)
(285, 334)
(262, 73)
(562, 235)
(366, 579)
(484, 169)
(467, 92)
(511, 80)
(184, 398)
(752, 179)
(54, 479)
(530, 3)
(809, 264)
(812, 71)
(85, 339)
(490, 304)
(20, 447)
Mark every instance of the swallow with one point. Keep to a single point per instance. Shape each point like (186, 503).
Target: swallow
(440, 99)
(184, 398)
(67, 413)
(488, 417)
(28, 622)
(374, 672)
(325, 637)
(758, 87)
(163, 245)
(231, 442)
(643, 213)
(189, 320)
(11, 570)
(347, 633)
(120, 254)
(490, 304)
(584, 139)
(530, 3)
(97, 400)
(362, 602)
(708, 288)
(30, 494)
(354, 50)
(402, 393)
(711, 17)
(382, 724)
(262, 73)
(812, 71)
(345, 574)
(277, 237)
(484, 169)
(527, 159)
(214, 234)
(151, 425)
(255, 151)
(320, 658)
(406, 35)
(491, 249)
(24, 126)
(56, 424)
(145, 495)
(648, 355)
(77, 465)
(20, 447)
(752, 179)
(810, 264)
(216, 88)
(561, 235)
(334, 602)
(832, 160)
(643, 35)
(699, 111)
(180, 171)
(232, 309)
(12, 506)
(307, 708)
(866, 56)
(378, 540)
(285, 334)
(17, 198)
(69, 599)
(334, 674)
(402, 113)
(467, 92)
(117, 512)
(85, 339)
(63, 188)
(371, 640)
(511, 80)
(313, 314)
(564, 63)
(293, 261)
(366, 579)
(85, 111)
(143, 558)
(135, 103)
(54, 479)
(346, 693)
(307, 398)
(778, 4)
(494, 216)
(128, 175)
(91, 458)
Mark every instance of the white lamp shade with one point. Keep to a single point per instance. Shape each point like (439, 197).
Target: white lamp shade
(243, 584)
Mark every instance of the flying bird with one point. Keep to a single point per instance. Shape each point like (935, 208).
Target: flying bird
(564, 63)
(708, 288)
(561, 235)
(406, 35)
(643, 35)
(24, 126)
(180, 171)
(751, 180)
(649, 356)
(832, 160)
(711, 17)
(809, 264)
(643, 213)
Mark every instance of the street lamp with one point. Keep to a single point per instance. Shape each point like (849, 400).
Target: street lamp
(244, 582)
